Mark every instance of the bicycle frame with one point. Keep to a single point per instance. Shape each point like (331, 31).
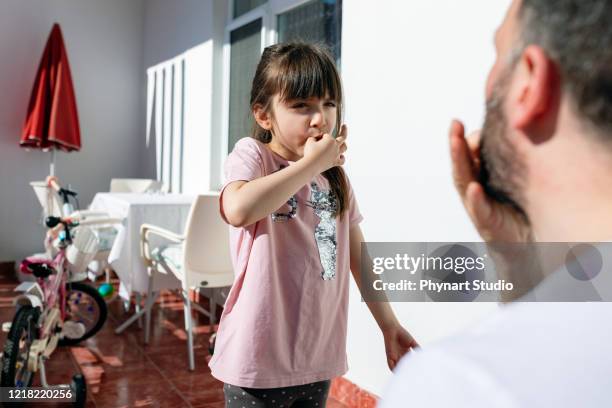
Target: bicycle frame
(49, 295)
(54, 287)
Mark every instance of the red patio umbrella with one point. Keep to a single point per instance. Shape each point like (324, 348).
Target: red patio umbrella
(52, 121)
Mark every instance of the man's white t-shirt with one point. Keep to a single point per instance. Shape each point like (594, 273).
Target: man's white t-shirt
(527, 355)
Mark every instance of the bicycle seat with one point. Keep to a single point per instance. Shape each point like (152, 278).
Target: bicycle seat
(38, 269)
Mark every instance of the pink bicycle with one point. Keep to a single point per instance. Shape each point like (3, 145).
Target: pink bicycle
(55, 309)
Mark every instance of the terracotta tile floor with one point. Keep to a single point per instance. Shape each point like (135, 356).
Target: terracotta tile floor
(121, 371)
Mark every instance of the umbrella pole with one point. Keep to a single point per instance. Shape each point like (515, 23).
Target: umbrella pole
(52, 165)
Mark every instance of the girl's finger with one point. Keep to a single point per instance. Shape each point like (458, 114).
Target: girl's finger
(343, 132)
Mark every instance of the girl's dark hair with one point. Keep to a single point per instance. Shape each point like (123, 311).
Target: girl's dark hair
(298, 70)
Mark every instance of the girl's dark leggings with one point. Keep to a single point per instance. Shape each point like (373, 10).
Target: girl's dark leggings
(313, 395)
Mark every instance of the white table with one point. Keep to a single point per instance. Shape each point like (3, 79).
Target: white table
(168, 211)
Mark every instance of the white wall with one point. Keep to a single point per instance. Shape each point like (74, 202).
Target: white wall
(173, 27)
(409, 67)
(104, 43)
(193, 29)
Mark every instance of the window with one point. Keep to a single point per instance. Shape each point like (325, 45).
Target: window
(244, 6)
(245, 49)
(316, 21)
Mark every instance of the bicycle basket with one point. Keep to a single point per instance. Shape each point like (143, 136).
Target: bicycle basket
(83, 249)
(48, 199)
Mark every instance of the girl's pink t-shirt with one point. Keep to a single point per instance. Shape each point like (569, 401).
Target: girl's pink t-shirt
(285, 317)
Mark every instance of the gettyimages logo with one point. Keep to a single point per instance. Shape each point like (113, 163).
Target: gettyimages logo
(467, 272)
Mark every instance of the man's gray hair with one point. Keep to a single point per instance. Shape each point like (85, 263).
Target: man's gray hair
(577, 35)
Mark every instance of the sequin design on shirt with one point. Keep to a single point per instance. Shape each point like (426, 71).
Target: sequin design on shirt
(282, 217)
(293, 206)
(324, 205)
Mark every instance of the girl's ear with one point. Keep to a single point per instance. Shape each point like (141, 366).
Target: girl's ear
(262, 117)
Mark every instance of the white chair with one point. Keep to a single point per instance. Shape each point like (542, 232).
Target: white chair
(121, 185)
(199, 259)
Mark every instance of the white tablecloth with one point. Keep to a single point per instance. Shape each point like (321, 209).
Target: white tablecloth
(168, 211)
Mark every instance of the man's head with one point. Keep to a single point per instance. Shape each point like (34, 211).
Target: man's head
(549, 96)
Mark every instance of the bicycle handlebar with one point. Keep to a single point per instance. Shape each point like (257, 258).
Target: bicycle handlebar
(52, 222)
(53, 182)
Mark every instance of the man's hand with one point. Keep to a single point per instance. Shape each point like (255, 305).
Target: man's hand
(397, 343)
(495, 222)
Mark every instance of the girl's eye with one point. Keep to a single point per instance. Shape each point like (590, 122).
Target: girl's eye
(298, 105)
(331, 104)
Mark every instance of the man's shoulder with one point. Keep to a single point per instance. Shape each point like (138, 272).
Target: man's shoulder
(523, 351)
(523, 332)
(438, 377)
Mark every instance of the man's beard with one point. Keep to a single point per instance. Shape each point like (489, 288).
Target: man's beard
(502, 171)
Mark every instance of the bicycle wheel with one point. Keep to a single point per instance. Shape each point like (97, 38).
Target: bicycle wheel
(86, 308)
(23, 332)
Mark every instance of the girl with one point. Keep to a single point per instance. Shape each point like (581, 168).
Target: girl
(294, 237)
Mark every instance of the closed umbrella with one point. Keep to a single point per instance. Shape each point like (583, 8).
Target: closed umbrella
(52, 120)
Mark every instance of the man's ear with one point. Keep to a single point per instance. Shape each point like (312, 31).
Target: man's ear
(532, 89)
(263, 118)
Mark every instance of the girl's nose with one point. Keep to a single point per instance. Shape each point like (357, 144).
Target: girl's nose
(317, 119)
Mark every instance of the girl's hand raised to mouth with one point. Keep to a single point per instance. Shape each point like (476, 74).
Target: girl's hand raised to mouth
(326, 151)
